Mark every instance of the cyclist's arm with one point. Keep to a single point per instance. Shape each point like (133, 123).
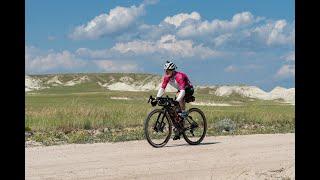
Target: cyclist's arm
(182, 86)
(163, 86)
(160, 92)
(181, 95)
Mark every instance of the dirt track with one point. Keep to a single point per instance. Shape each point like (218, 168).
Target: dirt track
(220, 157)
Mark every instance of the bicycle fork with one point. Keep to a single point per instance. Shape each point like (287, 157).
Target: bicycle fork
(159, 125)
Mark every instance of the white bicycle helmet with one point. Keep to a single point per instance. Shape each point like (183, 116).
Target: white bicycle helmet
(169, 66)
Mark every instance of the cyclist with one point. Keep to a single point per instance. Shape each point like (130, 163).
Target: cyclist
(181, 82)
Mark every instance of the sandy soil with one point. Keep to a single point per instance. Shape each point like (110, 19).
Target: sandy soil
(222, 157)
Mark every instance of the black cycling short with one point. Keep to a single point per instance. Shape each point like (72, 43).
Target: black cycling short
(189, 91)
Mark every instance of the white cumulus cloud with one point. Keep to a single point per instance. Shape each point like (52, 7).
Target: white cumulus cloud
(216, 25)
(167, 44)
(118, 19)
(275, 33)
(242, 31)
(180, 18)
(40, 63)
(286, 71)
(222, 39)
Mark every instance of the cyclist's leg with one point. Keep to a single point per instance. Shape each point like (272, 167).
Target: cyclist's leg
(189, 93)
(177, 131)
(182, 104)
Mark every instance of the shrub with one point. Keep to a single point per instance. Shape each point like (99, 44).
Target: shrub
(225, 124)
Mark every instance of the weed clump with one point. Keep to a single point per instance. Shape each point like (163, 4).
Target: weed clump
(225, 125)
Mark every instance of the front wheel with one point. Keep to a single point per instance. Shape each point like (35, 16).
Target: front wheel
(157, 128)
(195, 126)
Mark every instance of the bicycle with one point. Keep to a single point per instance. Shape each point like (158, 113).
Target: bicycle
(159, 122)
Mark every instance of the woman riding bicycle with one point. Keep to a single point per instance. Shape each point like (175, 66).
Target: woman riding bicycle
(181, 82)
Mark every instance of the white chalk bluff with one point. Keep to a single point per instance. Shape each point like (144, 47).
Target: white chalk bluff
(139, 82)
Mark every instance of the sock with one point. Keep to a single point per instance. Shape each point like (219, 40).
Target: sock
(184, 113)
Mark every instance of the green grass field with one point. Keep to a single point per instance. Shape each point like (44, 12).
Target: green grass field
(70, 114)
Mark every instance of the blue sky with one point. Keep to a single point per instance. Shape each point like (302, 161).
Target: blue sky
(214, 42)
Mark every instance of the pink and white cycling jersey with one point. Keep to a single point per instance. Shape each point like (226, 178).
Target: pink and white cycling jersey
(178, 80)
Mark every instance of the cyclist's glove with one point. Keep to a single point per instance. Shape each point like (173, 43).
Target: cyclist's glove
(154, 102)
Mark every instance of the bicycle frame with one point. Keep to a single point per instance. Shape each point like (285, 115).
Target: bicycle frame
(166, 109)
(159, 123)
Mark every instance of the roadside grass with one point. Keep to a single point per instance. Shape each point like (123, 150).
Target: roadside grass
(74, 115)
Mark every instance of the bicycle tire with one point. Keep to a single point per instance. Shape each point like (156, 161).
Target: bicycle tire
(205, 128)
(146, 123)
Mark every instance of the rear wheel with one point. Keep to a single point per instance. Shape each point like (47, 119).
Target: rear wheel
(195, 126)
(157, 128)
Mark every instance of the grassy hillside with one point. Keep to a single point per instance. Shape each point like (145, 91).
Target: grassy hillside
(74, 114)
